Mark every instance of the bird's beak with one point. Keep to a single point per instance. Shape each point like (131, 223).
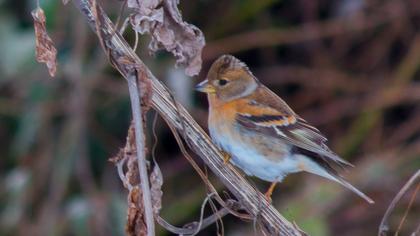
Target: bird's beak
(205, 87)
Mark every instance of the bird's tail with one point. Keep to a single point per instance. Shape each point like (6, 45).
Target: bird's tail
(346, 184)
(314, 168)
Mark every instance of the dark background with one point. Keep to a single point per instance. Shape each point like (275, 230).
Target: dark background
(349, 67)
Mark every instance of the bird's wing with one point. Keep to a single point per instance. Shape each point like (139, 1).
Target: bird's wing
(268, 114)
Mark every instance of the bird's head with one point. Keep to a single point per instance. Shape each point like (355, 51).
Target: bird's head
(228, 79)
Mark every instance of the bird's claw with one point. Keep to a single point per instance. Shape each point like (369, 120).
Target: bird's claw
(226, 157)
(270, 192)
(267, 196)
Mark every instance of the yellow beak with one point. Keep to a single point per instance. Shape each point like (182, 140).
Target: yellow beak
(205, 87)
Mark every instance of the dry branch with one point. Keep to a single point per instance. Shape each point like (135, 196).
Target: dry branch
(252, 200)
(141, 153)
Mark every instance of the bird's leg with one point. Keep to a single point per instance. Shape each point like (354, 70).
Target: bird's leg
(270, 191)
(226, 157)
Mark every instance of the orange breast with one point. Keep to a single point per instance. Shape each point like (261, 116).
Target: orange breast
(221, 114)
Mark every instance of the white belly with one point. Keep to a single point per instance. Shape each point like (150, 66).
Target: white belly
(252, 162)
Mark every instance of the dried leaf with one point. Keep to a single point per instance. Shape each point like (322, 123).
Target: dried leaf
(135, 219)
(130, 152)
(163, 21)
(65, 2)
(118, 157)
(136, 224)
(45, 50)
(146, 91)
(156, 181)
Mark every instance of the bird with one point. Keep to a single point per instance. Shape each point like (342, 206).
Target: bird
(259, 133)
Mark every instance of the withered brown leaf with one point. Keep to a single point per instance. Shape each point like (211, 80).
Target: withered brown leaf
(135, 218)
(45, 50)
(163, 21)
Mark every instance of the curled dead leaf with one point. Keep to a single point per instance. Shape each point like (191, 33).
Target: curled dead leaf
(135, 219)
(163, 21)
(130, 152)
(45, 50)
(136, 224)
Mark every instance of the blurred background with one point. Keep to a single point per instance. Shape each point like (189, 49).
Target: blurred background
(349, 67)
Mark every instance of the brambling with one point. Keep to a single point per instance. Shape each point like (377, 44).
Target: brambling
(263, 136)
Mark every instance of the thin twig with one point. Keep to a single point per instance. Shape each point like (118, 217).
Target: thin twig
(190, 230)
(120, 168)
(203, 206)
(141, 147)
(407, 209)
(136, 42)
(383, 227)
(120, 14)
(124, 25)
(218, 220)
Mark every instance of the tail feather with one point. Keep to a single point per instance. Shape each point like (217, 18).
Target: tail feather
(352, 188)
(314, 168)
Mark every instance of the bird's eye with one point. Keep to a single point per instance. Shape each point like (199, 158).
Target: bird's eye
(222, 82)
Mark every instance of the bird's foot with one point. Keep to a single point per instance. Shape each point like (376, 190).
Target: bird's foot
(226, 157)
(270, 192)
